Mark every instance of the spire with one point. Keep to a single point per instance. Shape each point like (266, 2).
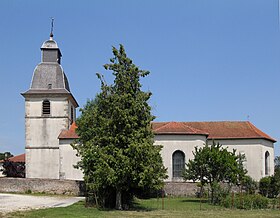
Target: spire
(51, 34)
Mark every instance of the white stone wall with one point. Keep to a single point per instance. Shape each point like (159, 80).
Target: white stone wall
(42, 144)
(68, 159)
(172, 143)
(59, 106)
(254, 150)
(42, 163)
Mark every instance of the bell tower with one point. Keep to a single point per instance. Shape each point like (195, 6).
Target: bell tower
(50, 107)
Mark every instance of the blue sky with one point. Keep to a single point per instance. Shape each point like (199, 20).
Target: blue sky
(210, 60)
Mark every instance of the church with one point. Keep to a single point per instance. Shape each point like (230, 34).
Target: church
(50, 114)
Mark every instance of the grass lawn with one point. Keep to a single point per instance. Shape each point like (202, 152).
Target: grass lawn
(173, 207)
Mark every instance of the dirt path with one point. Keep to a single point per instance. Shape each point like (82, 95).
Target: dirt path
(15, 202)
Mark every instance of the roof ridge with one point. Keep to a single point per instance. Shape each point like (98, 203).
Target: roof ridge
(162, 126)
(184, 128)
(195, 129)
(259, 132)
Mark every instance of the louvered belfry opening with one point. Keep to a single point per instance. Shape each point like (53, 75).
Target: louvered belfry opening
(72, 115)
(46, 107)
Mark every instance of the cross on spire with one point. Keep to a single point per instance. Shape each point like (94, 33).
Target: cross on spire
(51, 34)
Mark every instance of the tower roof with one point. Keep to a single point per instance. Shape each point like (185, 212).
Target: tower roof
(50, 44)
(48, 76)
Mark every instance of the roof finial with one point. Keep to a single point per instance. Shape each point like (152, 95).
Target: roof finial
(51, 35)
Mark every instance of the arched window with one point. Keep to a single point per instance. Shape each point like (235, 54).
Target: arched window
(178, 164)
(46, 107)
(266, 163)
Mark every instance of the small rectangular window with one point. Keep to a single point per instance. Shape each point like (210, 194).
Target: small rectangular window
(46, 107)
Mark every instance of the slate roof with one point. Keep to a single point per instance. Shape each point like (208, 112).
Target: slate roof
(213, 130)
(49, 73)
(49, 44)
(48, 76)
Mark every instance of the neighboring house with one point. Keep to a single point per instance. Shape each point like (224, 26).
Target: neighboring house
(50, 129)
(19, 158)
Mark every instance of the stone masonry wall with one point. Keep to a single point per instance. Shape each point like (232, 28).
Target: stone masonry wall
(77, 188)
(180, 188)
(48, 186)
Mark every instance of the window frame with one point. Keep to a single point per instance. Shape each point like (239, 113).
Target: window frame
(266, 163)
(178, 164)
(46, 107)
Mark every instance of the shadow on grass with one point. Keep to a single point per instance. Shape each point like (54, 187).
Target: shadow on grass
(135, 207)
(138, 207)
(195, 201)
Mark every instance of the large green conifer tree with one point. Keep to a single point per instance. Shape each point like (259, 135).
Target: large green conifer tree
(116, 147)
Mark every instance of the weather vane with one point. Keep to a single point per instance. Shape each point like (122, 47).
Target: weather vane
(51, 35)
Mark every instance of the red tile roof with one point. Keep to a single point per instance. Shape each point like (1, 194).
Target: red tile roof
(18, 158)
(214, 130)
(225, 129)
(178, 128)
(69, 134)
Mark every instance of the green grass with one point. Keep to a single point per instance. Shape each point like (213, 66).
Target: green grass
(173, 207)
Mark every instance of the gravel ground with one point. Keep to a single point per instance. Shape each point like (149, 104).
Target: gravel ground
(15, 202)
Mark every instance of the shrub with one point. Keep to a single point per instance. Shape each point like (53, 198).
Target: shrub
(246, 201)
(249, 185)
(264, 186)
(220, 192)
(14, 169)
(269, 186)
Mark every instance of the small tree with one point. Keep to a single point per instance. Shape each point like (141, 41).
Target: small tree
(213, 164)
(5, 155)
(277, 167)
(115, 138)
(14, 169)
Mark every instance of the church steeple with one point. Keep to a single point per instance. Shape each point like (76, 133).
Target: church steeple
(49, 108)
(50, 50)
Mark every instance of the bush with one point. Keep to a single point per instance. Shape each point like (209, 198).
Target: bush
(269, 186)
(249, 185)
(220, 192)
(14, 169)
(246, 201)
(264, 186)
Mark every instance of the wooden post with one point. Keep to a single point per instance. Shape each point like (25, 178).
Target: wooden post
(162, 202)
(232, 200)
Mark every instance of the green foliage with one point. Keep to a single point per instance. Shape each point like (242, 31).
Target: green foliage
(245, 201)
(5, 155)
(264, 186)
(14, 169)
(28, 191)
(220, 192)
(277, 167)
(269, 186)
(249, 185)
(213, 164)
(115, 142)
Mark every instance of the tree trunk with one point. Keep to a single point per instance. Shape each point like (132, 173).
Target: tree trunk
(118, 200)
